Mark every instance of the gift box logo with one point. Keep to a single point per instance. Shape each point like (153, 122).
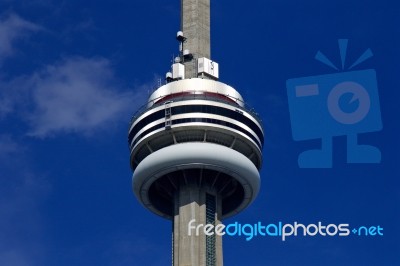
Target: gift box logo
(343, 103)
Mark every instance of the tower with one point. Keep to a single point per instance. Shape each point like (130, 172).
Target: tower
(196, 149)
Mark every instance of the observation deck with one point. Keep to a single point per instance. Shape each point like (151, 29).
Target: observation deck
(199, 131)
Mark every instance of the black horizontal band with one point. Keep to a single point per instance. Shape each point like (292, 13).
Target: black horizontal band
(193, 120)
(207, 109)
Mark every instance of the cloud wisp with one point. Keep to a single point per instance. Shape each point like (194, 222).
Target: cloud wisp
(77, 95)
(73, 95)
(13, 28)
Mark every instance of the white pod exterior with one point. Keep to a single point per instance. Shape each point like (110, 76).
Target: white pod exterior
(200, 156)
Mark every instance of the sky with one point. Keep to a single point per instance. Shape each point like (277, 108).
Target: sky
(72, 73)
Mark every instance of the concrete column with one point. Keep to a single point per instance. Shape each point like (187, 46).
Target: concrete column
(195, 25)
(190, 250)
(187, 247)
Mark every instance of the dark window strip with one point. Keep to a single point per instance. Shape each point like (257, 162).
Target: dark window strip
(208, 109)
(188, 120)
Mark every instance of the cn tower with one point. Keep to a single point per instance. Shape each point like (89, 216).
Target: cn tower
(195, 149)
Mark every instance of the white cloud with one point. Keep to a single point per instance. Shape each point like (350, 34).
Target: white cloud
(78, 95)
(13, 28)
(75, 95)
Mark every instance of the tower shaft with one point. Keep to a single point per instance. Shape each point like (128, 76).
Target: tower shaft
(196, 148)
(195, 24)
(195, 207)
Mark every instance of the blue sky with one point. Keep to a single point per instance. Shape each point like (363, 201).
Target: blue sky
(72, 73)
